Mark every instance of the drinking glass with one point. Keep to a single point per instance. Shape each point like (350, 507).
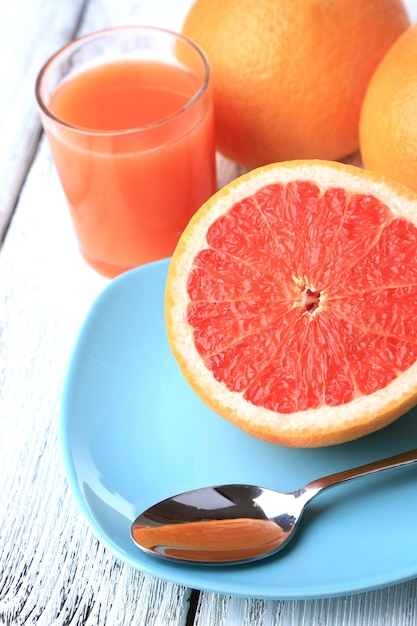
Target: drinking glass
(128, 115)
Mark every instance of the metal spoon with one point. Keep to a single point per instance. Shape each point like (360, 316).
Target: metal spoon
(230, 524)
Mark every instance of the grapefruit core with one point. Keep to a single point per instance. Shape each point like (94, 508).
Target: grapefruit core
(291, 302)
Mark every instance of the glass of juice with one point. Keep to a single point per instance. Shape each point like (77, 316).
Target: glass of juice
(129, 118)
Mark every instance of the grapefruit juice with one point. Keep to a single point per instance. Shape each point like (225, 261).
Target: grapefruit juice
(134, 150)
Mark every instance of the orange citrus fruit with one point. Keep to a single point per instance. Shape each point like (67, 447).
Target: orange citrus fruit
(289, 76)
(388, 122)
(291, 302)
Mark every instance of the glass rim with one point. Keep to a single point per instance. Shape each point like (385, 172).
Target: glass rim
(74, 43)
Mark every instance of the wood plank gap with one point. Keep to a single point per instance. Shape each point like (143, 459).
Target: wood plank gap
(79, 22)
(192, 611)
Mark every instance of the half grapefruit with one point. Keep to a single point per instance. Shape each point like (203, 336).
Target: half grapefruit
(291, 302)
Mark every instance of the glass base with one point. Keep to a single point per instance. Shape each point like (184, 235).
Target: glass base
(109, 270)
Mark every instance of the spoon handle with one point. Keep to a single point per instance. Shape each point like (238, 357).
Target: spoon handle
(398, 460)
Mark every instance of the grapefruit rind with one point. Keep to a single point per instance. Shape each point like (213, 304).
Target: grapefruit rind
(326, 425)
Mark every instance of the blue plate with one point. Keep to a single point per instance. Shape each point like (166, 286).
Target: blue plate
(134, 433)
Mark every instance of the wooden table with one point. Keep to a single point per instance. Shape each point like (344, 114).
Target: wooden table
(53, 570)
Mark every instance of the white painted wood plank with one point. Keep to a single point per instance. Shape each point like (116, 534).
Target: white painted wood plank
(164, 13)
(393, 606)
(30, 30)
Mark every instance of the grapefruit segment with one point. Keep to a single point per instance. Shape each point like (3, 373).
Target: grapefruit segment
(291, 302)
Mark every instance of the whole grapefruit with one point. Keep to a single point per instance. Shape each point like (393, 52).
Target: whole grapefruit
(289, 76)
(388, 122)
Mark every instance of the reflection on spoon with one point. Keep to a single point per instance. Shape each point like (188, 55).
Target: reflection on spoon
(214, 541)
(230, 524)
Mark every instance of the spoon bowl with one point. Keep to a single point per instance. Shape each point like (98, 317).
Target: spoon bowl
(233, 524)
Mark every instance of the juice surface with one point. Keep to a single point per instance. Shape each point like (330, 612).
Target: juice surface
(132, 193)
(123, 95)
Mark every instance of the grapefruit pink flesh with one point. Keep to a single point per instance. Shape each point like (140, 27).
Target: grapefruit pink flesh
(305, 298)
